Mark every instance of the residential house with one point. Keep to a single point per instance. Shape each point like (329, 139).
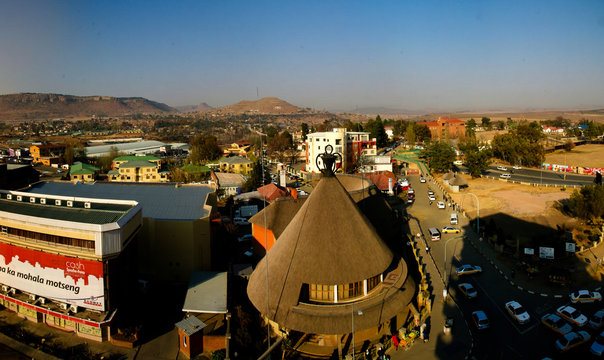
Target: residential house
(236, 164)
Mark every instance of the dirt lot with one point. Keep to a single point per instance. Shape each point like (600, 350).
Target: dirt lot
(591, 155)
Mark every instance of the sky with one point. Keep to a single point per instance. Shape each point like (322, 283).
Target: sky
(332, 55)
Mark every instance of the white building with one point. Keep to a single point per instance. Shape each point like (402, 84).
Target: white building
(352, 145)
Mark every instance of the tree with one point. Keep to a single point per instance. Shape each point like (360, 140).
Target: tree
(440, 157)
(204, 148)
(471, 128)
(377, 132)
(500, 125)
(486, 123)
(588, 202)
(304, 128)
(477, 157)
(569, 145)
(422, 132)
(69, 155)
(255, 181)
(104, 162)
(521, 145)
(410, 135)
(279, 146)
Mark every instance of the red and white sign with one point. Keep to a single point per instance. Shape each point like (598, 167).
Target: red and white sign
(62, 278)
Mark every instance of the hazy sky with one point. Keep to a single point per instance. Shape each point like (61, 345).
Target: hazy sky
(445, 55)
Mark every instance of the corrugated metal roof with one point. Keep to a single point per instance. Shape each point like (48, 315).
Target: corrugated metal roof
(139, 147)
(190, 325)
(158, 201)
(80, 215)
(207, 293)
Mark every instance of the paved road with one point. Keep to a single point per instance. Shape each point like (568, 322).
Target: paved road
(506, 339)
(537, 176)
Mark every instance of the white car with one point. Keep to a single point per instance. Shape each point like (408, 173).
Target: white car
(505, 176)
(458, 162)
(597, 348)
(597, 320)
(573, 315)
(432, 197)
(502, 168)
(422, 179)
(517, 312)
(516, 167)
(410, 191)
(572, 339)
(468, 290)
(585, 296)
(440, 204)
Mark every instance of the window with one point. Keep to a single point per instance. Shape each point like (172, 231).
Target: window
(321, 292)
(184, 340)
(338, 141)
(351, 290)
(373, 282)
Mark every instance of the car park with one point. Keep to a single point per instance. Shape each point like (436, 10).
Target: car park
(441, 205)
(480, 320)
(572, 340)
(597, 348)
(502, 168)
(468, 269)
(556, 323)
(450, 229)
(517, 312)
(597, 320)
(468, 290)
(505, 176)
(573, 315)
(585, 296)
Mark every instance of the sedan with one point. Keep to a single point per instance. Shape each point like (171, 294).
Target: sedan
(468, 290)
(451, 229)
(517, 312)
(597, 348)
(556, 323)
(432, 197)
(505, 176)
(573, 315)
(468, 269)
(572, 339)
(480, 320)
(597, 320)
(440, 204)
(502, 168)
(585, 296)
(516, 167)
(422, 179)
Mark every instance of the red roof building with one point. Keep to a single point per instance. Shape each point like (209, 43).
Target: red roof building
(273, 191)
(442, 127)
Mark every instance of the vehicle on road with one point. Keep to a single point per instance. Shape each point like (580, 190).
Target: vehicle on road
(505, 176)
(410, 191)
(556, 323)
(467, 290)
(516, 167)
(468, 269)
(440, 204)
(410, 200)
(502, 168)
(517, 312)
(422, 179)
(240, 221)
(434, 234)
(572, 340)
(453, 219)
(573, 315)
(458, 162)
(432, 197)
(585, 296)
(480, 320)
(597, 320)
(597, 348)
(451, 229)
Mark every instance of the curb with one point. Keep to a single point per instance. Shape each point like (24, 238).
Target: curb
(25, 349)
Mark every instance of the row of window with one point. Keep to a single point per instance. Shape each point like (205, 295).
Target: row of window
(53, 239)
(325, 293)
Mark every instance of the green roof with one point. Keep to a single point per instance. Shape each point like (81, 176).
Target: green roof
(81, 168)
(132, 157)
(138, 163)
(113, 172)
(195, 169)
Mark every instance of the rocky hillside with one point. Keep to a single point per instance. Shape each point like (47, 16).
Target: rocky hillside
(268, 105)
(202, 107)
(48, 106)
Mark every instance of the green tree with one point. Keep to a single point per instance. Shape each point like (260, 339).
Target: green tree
(376, 131)
(204, 148)
(471, 128)
(500, 125)
(588, 202)
(255, 179)
(510, 123)
(477, 157)
(304, 128)
(486, 123)
(410, 135)
(440, 156)
(521, 145)
(422, 132)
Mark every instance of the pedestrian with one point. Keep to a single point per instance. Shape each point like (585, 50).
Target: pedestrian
(395, 341)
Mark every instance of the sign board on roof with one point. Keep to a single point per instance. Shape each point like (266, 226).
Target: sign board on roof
(546, 252)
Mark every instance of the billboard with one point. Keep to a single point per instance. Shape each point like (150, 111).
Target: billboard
(61, 278)
(546, 252)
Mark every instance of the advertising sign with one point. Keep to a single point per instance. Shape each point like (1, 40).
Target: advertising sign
(529, 251)
(61, 278)
(546, 252)
(570, 247)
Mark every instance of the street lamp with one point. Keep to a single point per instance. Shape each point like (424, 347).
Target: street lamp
(445, 259)
(359, 312)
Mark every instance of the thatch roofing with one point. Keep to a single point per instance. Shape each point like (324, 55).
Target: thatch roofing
(328, 241)
(448, 176)
(458, 181)
(278, 214)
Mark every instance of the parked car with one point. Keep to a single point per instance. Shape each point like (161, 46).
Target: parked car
(572, 340)
(440, 204)
(573, 315)
(468, 290)
(597, 348)
(502, 168)
(585, 296)
(432, 197)
(556, 323)
(505, 176)
(468, 269)
(244, 238)
(422, 179)
(451, 229)
(240, 221)
(410, 191)
(518, 312)
(597, 320)
(480, 320)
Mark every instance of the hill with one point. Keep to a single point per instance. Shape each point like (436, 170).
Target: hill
(268, 105)
(202, 107)
(45, 106)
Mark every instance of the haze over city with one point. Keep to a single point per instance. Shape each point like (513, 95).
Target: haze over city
(337, 55)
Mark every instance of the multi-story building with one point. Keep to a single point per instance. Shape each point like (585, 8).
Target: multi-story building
(63, 259)
(352, 145)
(138, 169)
(240, 148)
(83, 172)
(46, 154)
(446, 127)
(236, 164)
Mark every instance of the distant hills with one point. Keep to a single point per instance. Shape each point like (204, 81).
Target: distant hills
(48, 106)
(202, 107)
(268, 105)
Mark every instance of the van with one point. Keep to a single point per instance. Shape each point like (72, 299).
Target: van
(454, 219)
(434, 234)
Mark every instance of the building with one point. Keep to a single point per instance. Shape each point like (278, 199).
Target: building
(389, 131)
(46, 154)
(239, 149)
(236, 164)
(17, 176)
(83, 172)
(351, 145)
(62, 259)
(328, 264)
(176, 234)
(229, 184)
(444, 128)
(138, 169)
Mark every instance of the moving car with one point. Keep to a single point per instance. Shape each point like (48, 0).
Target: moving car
(556, 323)
(572, 339)
(480, 320)
(422, 179)
(453, 219)
(434, 234)
(468, 290)
(516, 167)
(431, 197)
(505, 176)
(597, 320)
(517, 312)
(502, 168)
(597, 348)
(450, 229)
(573, 315)
(468, 269)
(585, 296)
(440, 204)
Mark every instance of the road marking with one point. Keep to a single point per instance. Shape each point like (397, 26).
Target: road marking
(558, 296)
(531, 292)
(520, 288)
(544, 295)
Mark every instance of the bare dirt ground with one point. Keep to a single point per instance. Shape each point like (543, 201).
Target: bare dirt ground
(591, 155)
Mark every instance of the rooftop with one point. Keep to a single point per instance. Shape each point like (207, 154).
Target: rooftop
(235, 160)
(81, 168)
(207, 293)
(229, 180)
(137, 164)
(134, 157)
